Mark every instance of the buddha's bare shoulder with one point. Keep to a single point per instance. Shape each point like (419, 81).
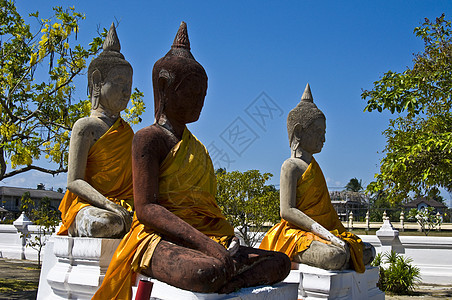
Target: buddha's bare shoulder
(152, 139)
(150, 135)
(89, 128)
(293, 167)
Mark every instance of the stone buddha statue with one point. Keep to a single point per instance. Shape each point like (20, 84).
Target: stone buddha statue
(99, 200)
(179, 234)
(310, 231)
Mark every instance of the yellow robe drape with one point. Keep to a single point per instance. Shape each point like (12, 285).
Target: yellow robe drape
(108, 170)
(187, 187)
(314, 200)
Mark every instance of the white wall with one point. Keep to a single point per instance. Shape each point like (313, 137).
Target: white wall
(431, 254)
(11, 243)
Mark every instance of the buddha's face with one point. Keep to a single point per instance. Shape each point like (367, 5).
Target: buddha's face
(116, 89)
(186, 100)
(313, 137)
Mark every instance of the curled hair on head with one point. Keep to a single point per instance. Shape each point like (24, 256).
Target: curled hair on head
(109, 58)
(304, 114)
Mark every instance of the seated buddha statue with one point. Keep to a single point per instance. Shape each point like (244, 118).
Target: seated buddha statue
(179, 234)
(99, 197)
(310, 231)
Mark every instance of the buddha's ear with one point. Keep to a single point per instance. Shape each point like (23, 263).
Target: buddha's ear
(296, 136)
(297, 132)
(295, 139)
(97, 85)
(163, 83)
(162, 86)
(162, 90)
(165, 80)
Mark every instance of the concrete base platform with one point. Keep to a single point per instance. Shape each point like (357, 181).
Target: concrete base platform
(315, 283)
(280, 291)
(75, 268)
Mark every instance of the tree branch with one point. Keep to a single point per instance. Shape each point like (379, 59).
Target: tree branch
(13, 90)
(31, 167)
(48, 122)
(37, 110)
(7, 110)
(73, 74)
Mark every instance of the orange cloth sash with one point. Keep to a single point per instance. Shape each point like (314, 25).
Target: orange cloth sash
(108, 170)
(187, 187)
(314, 200)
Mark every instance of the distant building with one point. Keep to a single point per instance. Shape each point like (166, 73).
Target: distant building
(345, 202)
(423, 202)
(10, 198)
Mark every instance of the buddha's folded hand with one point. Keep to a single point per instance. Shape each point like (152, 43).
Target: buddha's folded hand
(122, 212)
(322, 232)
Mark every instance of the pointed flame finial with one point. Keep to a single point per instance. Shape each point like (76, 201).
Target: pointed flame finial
(111, 42)
(307, 96)
(181, 40)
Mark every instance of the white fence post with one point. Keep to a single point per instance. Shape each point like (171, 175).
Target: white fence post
(350, 220)
(367, 221)
(438, 219)
(21, 225)
(402, 221)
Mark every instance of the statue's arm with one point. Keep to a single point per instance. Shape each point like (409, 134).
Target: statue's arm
(291, 172)
(148, 151)
(83, 137)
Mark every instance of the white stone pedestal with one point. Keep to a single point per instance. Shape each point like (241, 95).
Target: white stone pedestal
(80, 267)
(315, 283)
(280, 291)
(389, 238)
(76, 268)
(48, 262)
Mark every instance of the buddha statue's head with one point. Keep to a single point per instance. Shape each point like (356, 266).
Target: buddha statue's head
(110, 76)
(306, 125)
(179, 81)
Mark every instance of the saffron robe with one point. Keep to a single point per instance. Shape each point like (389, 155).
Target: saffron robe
(313, 199)
(108, 170)
(187, 188)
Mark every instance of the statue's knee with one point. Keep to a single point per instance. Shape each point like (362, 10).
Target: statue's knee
(208, 279)
(100, 224)
(284, 262)
(335, 258)
(323, 256)
(108, 224)
(368, 253)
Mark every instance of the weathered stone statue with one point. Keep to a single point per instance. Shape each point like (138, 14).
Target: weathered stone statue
(310, 231)
(179, 235)
(99, 199)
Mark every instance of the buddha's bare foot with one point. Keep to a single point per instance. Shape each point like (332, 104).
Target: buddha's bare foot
(257, 267)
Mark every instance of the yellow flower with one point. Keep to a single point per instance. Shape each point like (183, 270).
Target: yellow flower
(33, 58)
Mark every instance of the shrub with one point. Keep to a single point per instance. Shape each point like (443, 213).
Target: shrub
(397, 274)
(426, 218)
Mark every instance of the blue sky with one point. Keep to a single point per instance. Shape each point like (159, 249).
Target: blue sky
(259, 55)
